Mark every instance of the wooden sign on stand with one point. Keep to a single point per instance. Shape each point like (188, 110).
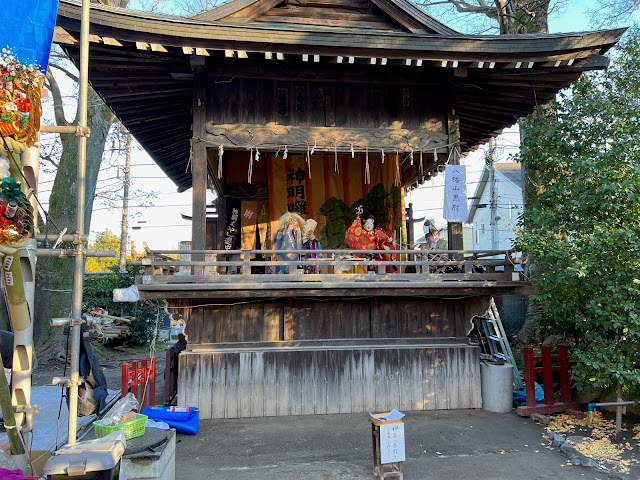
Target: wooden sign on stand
(387, 436)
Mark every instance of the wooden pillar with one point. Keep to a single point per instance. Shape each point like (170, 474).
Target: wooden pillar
(454, 229)
(410, 227)
(199, 155)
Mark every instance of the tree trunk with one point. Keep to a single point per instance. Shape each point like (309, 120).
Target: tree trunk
(54, 275)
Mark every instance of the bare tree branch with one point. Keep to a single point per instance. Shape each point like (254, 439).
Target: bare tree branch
(58, 109)
(66, 72)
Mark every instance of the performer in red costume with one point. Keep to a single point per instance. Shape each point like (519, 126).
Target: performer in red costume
(370, 237)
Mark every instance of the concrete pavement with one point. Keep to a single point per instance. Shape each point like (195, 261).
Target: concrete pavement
(442, 445)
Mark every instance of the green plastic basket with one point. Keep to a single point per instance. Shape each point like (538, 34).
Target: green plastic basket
(134, 428)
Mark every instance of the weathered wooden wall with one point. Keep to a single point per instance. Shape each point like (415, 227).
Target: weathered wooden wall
(297, 319)
(304, 103)
(279, 382)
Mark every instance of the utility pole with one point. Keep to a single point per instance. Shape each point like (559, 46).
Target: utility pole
(493, 210)
(125, 205)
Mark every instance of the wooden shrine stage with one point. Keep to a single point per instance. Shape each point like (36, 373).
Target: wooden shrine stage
(333, 341)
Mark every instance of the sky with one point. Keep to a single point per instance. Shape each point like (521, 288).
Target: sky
(158, 220)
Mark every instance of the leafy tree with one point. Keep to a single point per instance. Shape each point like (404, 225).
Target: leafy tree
(106, 240)
(582, 153)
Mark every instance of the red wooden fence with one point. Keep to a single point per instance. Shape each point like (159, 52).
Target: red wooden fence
(547, 369)
(140, 379)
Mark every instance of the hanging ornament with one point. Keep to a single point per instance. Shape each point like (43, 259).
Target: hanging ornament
(411, 157)
(353, 154)
(257, 155)
(421, 167)
(367, 171)
(250, 171)
(382, 154)
(220, 153)
(285, 154)
(435, 155)
(308, 160)
(10, 189)
(315, 144)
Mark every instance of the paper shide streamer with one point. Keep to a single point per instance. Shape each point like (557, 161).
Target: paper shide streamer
(220, 153)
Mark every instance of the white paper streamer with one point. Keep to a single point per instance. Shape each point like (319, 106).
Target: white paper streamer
(367, 171)
(250, 171)
(308, 161)
(411, 157)
(382, 153)
(421, 167)
(353, 154)
(220, 154)
(257, 155)
(335, 159)
(397, 169)
(285, 154)
(313, 149)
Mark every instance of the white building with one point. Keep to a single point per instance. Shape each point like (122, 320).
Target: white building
(497, 204)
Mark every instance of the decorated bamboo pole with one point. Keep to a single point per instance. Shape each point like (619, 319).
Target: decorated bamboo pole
(20, 111)
(9, 420)
(13, 434)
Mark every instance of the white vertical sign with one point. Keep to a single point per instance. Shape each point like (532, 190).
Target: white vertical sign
(392, 443)
(455, 194)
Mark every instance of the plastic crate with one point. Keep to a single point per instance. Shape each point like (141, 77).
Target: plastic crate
(134, 428)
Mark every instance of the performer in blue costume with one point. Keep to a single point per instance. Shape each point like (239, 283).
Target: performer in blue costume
(288, 236)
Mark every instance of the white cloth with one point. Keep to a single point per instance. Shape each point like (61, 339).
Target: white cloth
(129, 294)
(455, 194)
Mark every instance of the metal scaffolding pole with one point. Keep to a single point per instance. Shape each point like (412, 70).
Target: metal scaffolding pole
(78, 270)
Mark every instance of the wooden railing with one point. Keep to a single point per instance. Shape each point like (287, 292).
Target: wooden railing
(260, 266)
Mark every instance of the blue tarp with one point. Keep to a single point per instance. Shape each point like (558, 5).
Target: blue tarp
(27, 30)
(520, 396)
(183, 422)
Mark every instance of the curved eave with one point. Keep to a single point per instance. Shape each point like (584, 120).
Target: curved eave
(128, 25)
(140, 65)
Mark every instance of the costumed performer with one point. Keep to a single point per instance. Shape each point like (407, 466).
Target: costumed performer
(310, 242)
(288, 236)
(370, 237)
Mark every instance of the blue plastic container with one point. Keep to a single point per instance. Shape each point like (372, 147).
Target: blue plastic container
(183, 422)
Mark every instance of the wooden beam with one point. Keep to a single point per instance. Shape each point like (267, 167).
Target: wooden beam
(247, 135)
(199, 160)
(111, 41)
(60, 35)
(156, 47)
(253, 11)
(454, 229)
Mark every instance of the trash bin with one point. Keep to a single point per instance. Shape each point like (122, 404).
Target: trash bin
(497, 387)
(93, 460)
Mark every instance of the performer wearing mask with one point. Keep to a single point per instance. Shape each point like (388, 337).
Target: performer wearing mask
(288, 236)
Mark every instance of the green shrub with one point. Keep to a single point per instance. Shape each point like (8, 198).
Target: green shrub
(98, 293)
